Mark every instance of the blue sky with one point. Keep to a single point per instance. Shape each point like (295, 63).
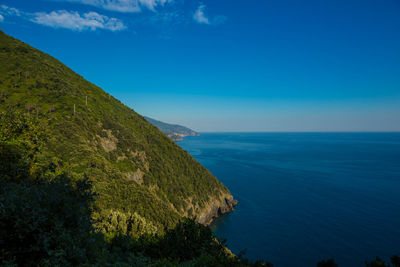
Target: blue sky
(267, 65)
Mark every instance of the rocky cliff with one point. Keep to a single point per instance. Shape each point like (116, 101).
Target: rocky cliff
(213, 210)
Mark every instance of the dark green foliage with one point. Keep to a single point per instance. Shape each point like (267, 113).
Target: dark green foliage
(45, 223)
(186, 241)
(378, 262)
(14, 163)
(190, 242)
(20, 140)
(395, 260)
(42, 221)
(134, 167)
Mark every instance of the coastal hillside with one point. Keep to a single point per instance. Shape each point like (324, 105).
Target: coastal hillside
(136, 171)
(173, 131)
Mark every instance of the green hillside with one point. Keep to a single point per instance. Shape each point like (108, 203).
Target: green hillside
(51, 217)
(136, 170)
(173, 131)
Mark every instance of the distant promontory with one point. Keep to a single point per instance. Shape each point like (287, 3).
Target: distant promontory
(173, 131)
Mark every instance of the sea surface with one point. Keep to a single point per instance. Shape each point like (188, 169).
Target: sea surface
(305, 197)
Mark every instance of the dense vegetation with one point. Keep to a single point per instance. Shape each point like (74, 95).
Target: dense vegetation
(46, 216)
(173, 131)
(137, 172)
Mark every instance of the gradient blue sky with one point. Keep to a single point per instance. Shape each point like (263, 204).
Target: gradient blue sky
(267, 65)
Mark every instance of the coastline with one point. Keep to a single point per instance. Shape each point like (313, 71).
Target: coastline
(217, 209)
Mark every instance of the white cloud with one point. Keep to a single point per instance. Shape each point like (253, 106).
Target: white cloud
(75, 21)
(200, 16)
(67, 19)
(114, 5)
(1, 18)
(10, 11)
(128, 6)
(152, 4)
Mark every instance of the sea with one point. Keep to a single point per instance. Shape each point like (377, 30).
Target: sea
(307, 197)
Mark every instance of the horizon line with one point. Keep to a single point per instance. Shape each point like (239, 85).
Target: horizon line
(298, 131)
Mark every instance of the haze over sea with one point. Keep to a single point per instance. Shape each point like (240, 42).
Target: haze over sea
(304, 197)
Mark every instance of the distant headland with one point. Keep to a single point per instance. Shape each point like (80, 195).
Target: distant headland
(173, 131)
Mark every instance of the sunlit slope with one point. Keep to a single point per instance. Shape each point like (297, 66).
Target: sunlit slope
(135, 168)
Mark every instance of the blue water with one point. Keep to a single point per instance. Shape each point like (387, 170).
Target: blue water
(304, 197)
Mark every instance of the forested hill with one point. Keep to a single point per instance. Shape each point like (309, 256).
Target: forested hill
(173, 131)
(136, 170)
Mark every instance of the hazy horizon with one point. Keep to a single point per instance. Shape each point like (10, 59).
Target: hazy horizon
(223, 66)
(239, 132)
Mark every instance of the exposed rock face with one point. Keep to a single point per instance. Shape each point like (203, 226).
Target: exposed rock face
(217, 208)
(136, 176)
(109, 143)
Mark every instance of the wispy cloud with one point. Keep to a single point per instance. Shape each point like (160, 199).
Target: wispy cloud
(152, 4)
(77, 22)
(165, 20)
(200, 16)
(165, 23)
(71, 20)
(127, 6)
(10, 11)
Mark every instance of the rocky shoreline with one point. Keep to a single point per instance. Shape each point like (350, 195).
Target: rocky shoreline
(179, 137)
(216, 209)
